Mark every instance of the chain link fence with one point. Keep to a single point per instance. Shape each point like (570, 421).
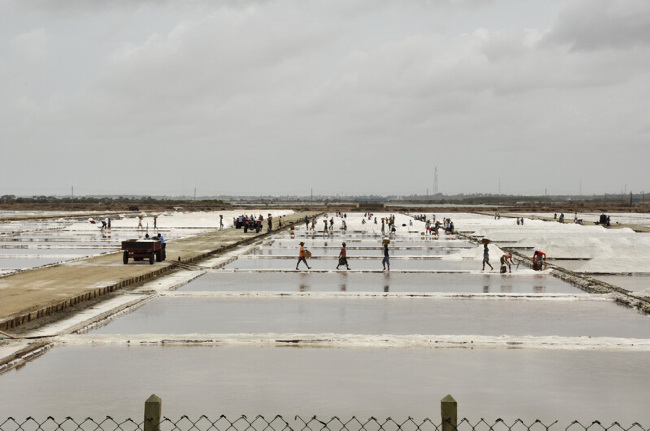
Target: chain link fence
(298, 423)
(153, 420)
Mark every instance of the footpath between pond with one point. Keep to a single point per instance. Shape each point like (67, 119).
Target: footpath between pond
(38, 296)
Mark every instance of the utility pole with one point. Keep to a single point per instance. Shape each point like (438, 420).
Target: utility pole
(195, 194)
(435, 180)
(499, 185)
(72, 192)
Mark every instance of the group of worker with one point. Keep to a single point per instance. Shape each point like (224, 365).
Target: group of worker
(140, 220)
(506, 261)
(302, 257)
(343, 256)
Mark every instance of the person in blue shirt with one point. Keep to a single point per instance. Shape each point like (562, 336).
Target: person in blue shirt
(164, 245)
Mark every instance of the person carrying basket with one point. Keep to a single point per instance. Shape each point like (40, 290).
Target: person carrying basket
(302, 256)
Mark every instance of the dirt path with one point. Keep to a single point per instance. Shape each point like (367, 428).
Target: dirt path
(40, 293)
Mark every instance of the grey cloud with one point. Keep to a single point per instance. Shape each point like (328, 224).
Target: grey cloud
(66, 7)
(602, 24)
(312, 89)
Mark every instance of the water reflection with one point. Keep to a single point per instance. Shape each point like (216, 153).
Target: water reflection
(344, 282)
(304, 282)
(539, 289)
(366, 282)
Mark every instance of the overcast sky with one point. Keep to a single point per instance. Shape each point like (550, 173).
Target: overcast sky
(339, 96)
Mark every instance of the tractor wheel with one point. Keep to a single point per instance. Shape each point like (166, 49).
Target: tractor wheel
(159, 256)
(151, 257)
(125, 257)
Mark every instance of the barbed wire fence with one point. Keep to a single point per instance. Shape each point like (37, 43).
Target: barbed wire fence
(154, 421)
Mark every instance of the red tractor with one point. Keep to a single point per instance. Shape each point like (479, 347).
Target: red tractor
(140, 249)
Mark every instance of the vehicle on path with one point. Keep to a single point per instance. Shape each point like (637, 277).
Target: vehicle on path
(140, 249)
(248, 223)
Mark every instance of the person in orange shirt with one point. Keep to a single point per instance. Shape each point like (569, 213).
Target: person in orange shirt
(302, 256)
(539, 259)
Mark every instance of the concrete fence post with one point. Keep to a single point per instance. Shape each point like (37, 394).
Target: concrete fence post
(152, 413)
(449, 413)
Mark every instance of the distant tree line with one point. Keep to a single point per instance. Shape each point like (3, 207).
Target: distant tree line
(104, 200)
(471, 199)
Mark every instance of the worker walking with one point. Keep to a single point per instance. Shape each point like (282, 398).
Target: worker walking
(386, 260)
(302, 256)
(486, 257)
(343, 258)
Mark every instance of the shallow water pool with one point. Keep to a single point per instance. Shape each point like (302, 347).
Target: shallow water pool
(301, 281)
(399, 316)
(194, 380)
(330, 262)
